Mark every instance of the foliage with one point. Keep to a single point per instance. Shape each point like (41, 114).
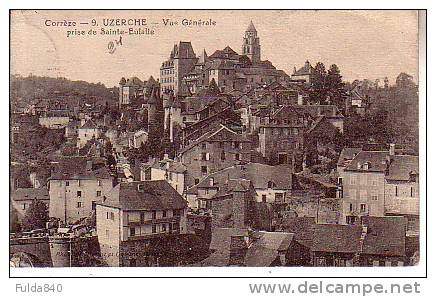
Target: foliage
(36, 216)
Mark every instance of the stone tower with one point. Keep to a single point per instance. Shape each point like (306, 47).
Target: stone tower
(121, 90)
(152, 110)
(251, 44)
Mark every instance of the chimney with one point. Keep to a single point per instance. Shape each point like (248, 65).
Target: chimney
(392, 149)
(238, 249)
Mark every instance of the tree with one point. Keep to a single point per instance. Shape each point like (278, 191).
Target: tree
(405, 81)
(14, 224)
(318, 92)
(335, 87)
(36, 216)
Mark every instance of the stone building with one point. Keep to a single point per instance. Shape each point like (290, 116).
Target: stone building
(281, 140)
(133, 217)
(86, 132)
(215, 150)
(181, 61)
(75, 185)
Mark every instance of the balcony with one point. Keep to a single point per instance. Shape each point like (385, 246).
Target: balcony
(173, 219)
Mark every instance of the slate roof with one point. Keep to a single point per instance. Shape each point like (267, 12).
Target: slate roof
(22, 194)
(336, 238)
(226, 53)
(377, 161)
(301, 227)
(258, 174)
(261, 252)
(144, 195)
(348, 154)
(79, 168)
(251, 27)
(89, 124)
(239, 185)
(231, 136)
(330, 111)
(385, 236)
(401, 167)
(305, 70)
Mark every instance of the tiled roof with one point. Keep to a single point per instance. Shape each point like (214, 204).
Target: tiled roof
(385, 236)
(226, 53)
(266, 247)
(330, 111)
(259, 174)
(401, 167)
(305, 70)
(30, 194)
(302, 227)
(262, 252)
(89, 124)
(79, 168)
(239, 185)
(348, 154)
(336, 238)
(230, 136)
(376, 159)
(144, 195)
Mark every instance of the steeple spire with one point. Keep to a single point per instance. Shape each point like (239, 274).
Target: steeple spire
(251, 27)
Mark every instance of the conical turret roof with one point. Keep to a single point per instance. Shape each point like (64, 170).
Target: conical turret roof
(251, 27)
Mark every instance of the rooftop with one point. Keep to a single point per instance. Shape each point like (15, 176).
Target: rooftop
(144, 195)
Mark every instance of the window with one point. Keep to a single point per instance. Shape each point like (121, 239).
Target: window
(203, 156)
(351, 207)
(223, 156)
(24, 206)
(132, 231)
(79, 183)
(153, 214)
(353, 179)
(236, 144)
(176, 226)
(363, 207)
(79, 193)
(204, 145)
(98, 193)
(142, 217)
(79, 204)
(107, 233)
(411, 191)
(237, 157)
(164, 213)
(176, 212)
(263, 198)
(279, 198)
(374, 196)
(99, 182)
(396, 191)
(67, 183)
(93, 205)
(153, 228)
(164, 228)
(204, 169)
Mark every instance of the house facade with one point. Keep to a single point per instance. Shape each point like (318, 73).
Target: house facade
(213, 151)
(75, 186)
(133, 216)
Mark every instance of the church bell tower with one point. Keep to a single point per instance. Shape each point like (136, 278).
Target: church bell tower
(251, 44)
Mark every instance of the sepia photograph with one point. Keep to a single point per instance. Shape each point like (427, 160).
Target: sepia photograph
(215, 138)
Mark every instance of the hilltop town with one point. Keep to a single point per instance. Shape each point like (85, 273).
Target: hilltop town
(223, 160)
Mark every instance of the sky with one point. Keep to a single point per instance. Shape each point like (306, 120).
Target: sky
(364, 44)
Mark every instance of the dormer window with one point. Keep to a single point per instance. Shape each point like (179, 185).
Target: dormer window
(366, 165)
(413, 176)
(271, 184)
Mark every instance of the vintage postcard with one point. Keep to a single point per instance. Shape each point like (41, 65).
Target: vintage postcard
(215, 138)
